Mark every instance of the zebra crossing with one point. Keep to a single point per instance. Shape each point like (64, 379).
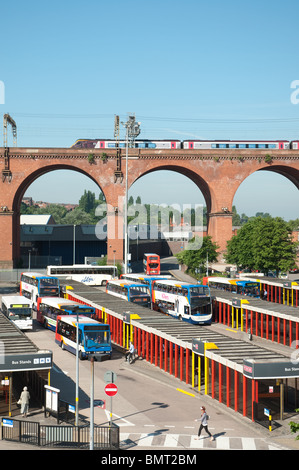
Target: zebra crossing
(161, 441)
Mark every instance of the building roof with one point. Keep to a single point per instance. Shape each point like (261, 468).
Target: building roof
(36, 219)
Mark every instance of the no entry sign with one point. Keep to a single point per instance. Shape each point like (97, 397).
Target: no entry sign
(111, 390)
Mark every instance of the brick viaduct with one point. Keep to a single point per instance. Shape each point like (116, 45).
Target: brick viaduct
(217, 173)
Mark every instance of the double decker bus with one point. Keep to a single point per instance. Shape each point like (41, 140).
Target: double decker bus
(49, 308)
(189, 302)
(245, 287)
(85, 273)
(130, 291)
(34, 285)
(18, 309)
(151, 263)
(94, 338)
(145, 279)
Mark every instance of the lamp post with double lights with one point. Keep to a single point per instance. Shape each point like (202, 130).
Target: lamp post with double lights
(132, 131)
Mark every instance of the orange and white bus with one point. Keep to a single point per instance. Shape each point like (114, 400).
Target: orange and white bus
(151, 263)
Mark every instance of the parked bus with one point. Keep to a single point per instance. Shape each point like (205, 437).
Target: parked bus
(188, 302)
(49, 308)
(245, 287)
(151, 263)
(85, 273)
(34, 285)
(18, 309)
(145, 279)
(94, 337)
(130, 291)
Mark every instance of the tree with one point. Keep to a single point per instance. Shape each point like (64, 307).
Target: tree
(263, 244)
(87, 202)
(196, 258)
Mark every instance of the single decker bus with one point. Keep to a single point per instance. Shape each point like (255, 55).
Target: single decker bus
(94, 338)
(250, 288)
(49, 308)
(18, 309)
(86, 273)
(130, 291)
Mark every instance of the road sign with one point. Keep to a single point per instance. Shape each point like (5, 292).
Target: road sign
(110, 377)
(111, 390)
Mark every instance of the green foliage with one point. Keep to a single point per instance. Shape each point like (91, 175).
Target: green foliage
(91, 158)
(195, 257)
(294, 426)
(263, 244)
(268, 158)
(103, 262)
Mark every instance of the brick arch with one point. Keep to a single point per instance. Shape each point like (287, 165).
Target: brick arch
(289, 172)
(32, 177)
(195, 177)
(22, 188)
(218, 174)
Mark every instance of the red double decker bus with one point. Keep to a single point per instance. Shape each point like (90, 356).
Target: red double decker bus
(151, 263)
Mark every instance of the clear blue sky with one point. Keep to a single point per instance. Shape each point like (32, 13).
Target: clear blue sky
(193, 68)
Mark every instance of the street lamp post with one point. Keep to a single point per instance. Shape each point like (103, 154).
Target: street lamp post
(77, 373)
(132, 131)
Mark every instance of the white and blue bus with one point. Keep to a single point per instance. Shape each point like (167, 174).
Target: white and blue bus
(34, 285)
(94, 338)
(189, 302)
(145, 279)
(130, 291)
(86, 273)
(18, 309)
(246, 287)
(49, 308)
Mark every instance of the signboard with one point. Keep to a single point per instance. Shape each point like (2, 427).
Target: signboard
(270, 370)
(266, 412)
(52, 398)
(111, 390)
(36, 361)
(7, 422)
(110, 377)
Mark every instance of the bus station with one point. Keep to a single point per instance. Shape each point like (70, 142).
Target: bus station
(21, 363)
(239, 373)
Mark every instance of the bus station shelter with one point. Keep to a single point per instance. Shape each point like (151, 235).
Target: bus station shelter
(21, 364)
(241, 374)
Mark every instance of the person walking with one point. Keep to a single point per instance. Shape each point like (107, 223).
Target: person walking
(24, 401)
(204, 423)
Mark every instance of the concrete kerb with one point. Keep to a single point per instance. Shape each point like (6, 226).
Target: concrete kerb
(281, 435)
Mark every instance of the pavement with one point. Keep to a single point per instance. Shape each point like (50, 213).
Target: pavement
(280, 436)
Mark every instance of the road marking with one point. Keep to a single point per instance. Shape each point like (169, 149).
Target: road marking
(158, 440)
(186, 393)
(222, 443)
(248, 443)
(118, 418)
(171, 440)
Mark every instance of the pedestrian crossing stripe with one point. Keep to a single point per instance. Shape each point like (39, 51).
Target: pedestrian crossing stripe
(157, 441)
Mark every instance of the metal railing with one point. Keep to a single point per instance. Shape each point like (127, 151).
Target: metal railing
(36, 434)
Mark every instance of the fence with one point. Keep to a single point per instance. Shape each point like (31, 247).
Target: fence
(36, 434)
